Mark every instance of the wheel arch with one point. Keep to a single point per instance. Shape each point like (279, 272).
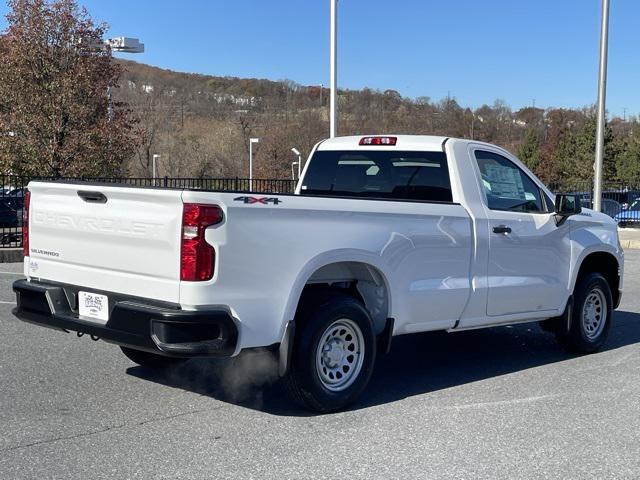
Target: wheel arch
(360, 275)
(605, 263)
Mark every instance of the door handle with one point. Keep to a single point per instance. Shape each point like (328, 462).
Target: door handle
(92, 197)
(501, 229)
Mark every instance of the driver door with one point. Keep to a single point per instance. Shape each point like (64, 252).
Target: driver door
(529, 256)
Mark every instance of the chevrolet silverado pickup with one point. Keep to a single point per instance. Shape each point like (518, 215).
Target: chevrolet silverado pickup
(384, 236)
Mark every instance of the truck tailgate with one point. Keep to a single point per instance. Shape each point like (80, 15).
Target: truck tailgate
(111, 238)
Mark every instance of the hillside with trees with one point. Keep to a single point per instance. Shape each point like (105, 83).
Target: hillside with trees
(201, 126)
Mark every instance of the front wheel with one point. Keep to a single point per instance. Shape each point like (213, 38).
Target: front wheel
(591, 315)
(333, 353)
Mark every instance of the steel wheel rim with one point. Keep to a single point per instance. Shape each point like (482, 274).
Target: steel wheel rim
(340, 355)
(594, 313)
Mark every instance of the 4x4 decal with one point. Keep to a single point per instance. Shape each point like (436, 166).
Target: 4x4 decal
(260, 200)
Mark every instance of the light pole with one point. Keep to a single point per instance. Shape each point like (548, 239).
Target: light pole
(333, 83)
(109, 104)
(602, 92)
(299, 163)
(118, 44)
(154, 158)
(123, 45)
(251, 142)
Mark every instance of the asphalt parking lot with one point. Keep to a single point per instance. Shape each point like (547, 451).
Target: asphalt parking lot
(499, 403)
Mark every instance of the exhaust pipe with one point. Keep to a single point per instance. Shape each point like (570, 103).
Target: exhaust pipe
(95, 338)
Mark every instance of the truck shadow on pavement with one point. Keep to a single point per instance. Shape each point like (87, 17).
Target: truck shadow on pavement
(417, 364)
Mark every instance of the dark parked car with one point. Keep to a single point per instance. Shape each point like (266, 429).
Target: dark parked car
(16, 198)
(9, 216)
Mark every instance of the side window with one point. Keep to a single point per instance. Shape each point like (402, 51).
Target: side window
(507, 187)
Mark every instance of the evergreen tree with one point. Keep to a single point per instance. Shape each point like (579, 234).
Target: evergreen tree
(575, 155)
(529, 151)
(628, 161)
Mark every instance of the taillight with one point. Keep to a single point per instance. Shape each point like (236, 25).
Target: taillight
(379, 141)
(25, 223)
(197, 257)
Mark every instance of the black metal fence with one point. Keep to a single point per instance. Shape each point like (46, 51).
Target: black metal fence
(18, 183)
(13, 187)
(620, 200)
(12, 191)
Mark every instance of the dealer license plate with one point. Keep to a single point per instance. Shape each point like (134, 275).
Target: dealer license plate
(93, 305)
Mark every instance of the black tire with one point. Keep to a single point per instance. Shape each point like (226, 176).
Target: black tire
(306, 385)
(151, 360)
(583, 337)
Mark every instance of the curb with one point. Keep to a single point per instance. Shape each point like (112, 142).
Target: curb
(11, 255)
(629, 238)
(630, 244)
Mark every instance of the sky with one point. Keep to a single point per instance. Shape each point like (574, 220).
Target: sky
(542, 51)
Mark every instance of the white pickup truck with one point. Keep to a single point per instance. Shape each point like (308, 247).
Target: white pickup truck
(385, 236)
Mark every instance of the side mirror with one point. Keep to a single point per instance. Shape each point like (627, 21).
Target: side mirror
(567, 205)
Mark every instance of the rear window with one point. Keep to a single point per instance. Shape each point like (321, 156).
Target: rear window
(379, 174)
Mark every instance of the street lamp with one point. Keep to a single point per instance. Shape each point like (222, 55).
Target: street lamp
(251, 142)
(333, 69)
(473, 125)
(299, 163)
(123, 45)
(602, 92)
(153, 166)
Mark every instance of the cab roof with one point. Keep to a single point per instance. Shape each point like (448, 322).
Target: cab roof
(424, 143)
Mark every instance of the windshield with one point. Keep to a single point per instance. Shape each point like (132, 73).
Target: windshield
(379, 174)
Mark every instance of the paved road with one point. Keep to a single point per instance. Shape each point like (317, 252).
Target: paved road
(499, 403)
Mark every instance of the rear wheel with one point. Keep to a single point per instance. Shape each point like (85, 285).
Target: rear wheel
(151, 360)
(333, 353)
(591, 316)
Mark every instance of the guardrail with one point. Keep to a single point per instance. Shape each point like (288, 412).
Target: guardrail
(12, 188)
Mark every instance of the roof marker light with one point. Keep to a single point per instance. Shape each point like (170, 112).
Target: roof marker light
(379, 141)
